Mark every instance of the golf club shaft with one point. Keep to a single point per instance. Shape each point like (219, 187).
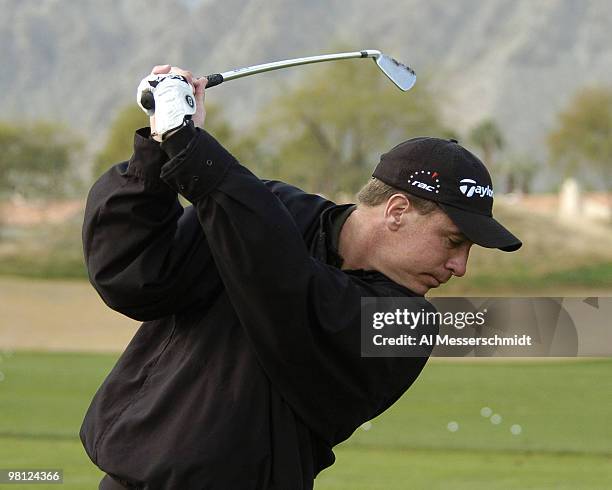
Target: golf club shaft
(217, 78)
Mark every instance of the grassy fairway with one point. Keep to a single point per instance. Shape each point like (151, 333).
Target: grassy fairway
(43, 398)
(563, 409)
(385, 469)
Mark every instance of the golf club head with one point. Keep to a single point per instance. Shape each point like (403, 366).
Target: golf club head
(401, 75)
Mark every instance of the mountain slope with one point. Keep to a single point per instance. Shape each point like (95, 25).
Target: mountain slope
(514, 60)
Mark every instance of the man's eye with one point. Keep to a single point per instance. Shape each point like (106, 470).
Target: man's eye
(454, 243)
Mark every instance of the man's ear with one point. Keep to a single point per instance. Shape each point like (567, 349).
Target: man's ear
(395, 210)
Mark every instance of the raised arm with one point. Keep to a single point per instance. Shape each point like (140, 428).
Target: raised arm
(145, 255)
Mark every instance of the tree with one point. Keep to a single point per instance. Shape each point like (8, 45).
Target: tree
(327, 133)
(36, 158)
(487, 136)
(120, 139)
(242, 147)
(583, 135)
(518, 172)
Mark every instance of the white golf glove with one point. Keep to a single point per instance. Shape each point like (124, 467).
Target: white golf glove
(173, 100)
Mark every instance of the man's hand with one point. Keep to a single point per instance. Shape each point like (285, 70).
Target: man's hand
(172, 100)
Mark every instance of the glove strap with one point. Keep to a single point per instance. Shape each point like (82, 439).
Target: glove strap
(186, 122)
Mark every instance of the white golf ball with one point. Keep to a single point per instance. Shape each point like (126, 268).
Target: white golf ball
(452, 426)
(496, 419)
(516, 429)
(486, 412)
(366, 426)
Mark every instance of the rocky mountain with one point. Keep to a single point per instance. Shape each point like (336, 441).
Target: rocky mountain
(516, 61)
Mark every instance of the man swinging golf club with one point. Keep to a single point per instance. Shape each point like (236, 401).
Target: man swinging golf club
(247, 370)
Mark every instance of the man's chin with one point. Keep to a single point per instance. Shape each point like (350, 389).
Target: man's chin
(429, 282)
(418, 287)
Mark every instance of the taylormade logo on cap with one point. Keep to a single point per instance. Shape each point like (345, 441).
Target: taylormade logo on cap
(470, 188)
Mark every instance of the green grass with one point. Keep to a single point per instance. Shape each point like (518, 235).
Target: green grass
(43, 251)
(384, 469)
(46, 394)
(539, 396)
(43, 398)
(599, 275)
(517, 279)
(562, 407)
(523, 279)
(50, 453)
(43, 267)
(380, 469)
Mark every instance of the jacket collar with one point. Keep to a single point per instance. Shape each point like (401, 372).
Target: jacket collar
(325, 245)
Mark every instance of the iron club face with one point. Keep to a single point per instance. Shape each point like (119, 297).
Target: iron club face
(401, 75)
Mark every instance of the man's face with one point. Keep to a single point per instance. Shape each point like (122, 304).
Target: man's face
(421, 251)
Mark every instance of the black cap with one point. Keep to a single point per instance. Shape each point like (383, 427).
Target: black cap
(443, 171)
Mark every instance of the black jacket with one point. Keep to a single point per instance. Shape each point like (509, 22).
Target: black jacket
(247, 370)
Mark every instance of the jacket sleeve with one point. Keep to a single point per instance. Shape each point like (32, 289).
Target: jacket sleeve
(301, 315)
(147, 256)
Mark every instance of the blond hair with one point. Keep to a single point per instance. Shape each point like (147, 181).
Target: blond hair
(376, 192)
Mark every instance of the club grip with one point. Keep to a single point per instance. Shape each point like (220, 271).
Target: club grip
(147, 100)
(214, 79)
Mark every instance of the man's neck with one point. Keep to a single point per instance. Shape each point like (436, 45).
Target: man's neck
(354, 241)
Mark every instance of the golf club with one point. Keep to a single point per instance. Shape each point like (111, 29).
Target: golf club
(401, 75)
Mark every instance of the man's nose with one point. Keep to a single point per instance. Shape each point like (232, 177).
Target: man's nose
(457, 263)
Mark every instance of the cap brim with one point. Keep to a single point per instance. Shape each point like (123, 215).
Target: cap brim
(483, 230)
